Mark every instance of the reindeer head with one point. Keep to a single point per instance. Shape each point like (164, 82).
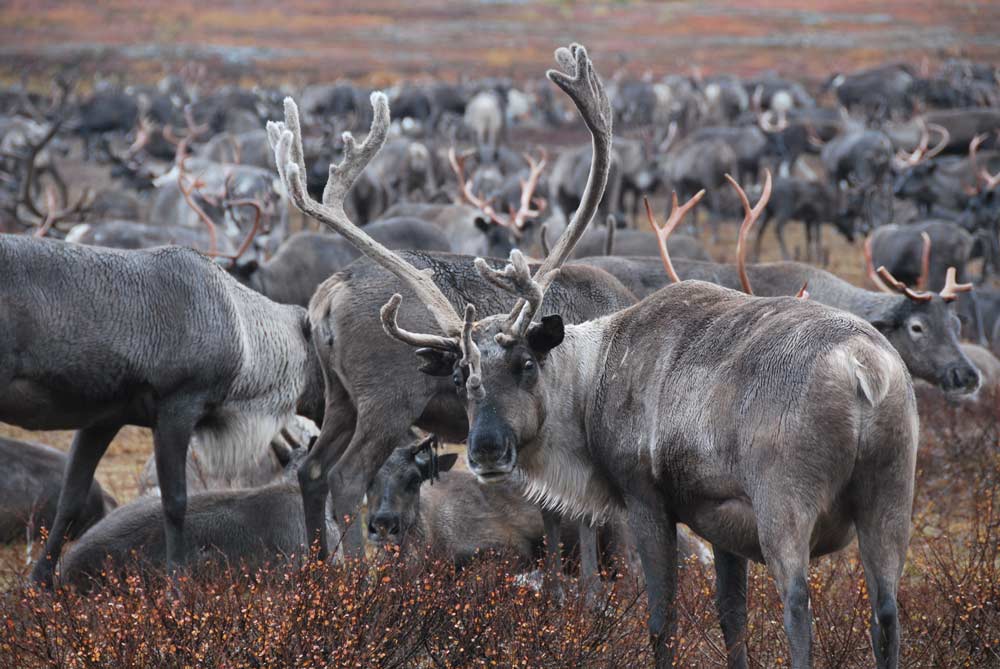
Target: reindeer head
(923, 328)
(394, 495)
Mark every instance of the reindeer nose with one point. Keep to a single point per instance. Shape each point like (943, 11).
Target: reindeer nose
(961, 379)
(384, 525)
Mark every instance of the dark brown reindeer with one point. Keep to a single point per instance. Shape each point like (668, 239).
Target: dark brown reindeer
(374, 393)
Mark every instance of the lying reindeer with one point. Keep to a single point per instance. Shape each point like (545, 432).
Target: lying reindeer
(775, 428)
(250, 526)
(30, 484)
(459, 517)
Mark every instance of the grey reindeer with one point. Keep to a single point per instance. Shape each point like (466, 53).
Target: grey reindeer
(374, 394)
(921, 326)
(94, 339)
(774, 427)
(250, 526)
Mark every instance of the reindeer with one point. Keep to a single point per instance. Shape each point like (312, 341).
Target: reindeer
(921, 326)
(94, 339)
(811, 432)
(566, 407)
(307, 259)
(373, 395)
(457, 516)
(29, 489)
(252, 526)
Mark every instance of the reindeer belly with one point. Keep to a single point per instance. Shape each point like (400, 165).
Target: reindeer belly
(732, 525)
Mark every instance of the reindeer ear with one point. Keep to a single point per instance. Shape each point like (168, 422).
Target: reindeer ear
(435, 362)
(447, 461)
(546, 335)
(483, 225)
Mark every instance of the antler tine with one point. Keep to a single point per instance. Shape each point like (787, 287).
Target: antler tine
(951, 287)
(31, 171)
(465, 188)
(803, 293)
(387, 315)
(186, 192)
(527, 190)
(245, 245)
(750, 216)
(901, 287)
(870, 268)
(286, 141)
(940, 146)
(471, 357)
(580, 82)
(974, 150)
(925, 262)
(663, 232)
(515, 278)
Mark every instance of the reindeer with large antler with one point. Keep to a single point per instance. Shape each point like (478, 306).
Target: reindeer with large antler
(374, 391)
(774, 428)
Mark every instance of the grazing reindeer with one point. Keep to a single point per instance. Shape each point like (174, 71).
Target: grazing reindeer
(250, 526)
(774, 428)
(94, 339)
(374, 394)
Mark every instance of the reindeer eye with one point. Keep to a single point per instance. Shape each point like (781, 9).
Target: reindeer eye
(528, 365)
(916, 328)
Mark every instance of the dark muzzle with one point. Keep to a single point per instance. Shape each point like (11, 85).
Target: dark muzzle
(960, 379)
(492, 447)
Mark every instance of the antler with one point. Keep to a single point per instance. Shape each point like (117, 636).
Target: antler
(248, 240)
(901, 287)
(286, 141)
(518, 219)
(51, 215)
(925, 262)
(921, 153)
(516, 279)
(951, 287)
(990, 180)
(187, 191)
(663, 232)
(581, 83)
(525, 211)
(458, 167)
(870, 268)
(750, 216)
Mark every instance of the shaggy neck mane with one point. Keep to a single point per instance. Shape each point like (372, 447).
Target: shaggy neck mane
(557, 470)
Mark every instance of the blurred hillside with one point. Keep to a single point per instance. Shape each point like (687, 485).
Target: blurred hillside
(382, 40)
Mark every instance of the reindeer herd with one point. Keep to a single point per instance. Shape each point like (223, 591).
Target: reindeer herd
(616, 389)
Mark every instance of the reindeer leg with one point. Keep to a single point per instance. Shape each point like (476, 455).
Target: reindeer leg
(785, 526)
(175, 423)
(656, 540)
(779, 230)
(89, 445)
(731, 602)
(589, 568)
(551, 520)
(883, 526)
(378, 430)
(335, 434)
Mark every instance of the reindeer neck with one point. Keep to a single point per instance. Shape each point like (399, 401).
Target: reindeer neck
(557, 468)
